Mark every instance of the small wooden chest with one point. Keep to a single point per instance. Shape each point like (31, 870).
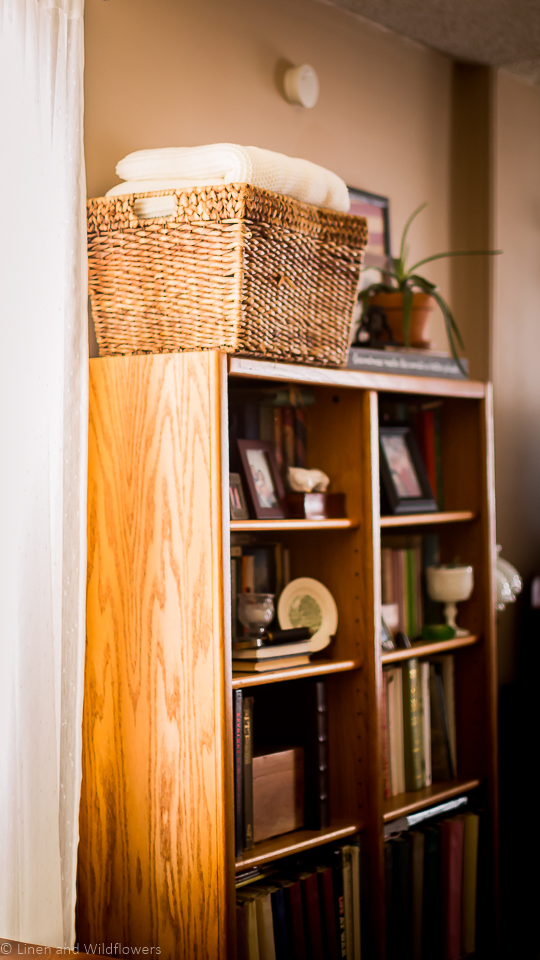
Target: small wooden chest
(278, 792)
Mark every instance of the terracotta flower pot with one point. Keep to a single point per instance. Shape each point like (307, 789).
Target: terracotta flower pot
(392, 304)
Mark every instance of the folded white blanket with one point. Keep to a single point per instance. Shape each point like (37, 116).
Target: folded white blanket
(220, 163)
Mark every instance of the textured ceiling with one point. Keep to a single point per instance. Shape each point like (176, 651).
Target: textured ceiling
(504, 33)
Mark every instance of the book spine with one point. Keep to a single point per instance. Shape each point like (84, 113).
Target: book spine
(439, 492)
(348, 901)
(287, 414)
(300, 436)
(418, 587)
(452, 871)
(470, 877)
(385, 749)
(278, 438)
(280, 925)
(441, 753)
(326, 897)
(248, 574)
(294, 897)
(312, 916)
(266, 423)
(417, 891)
(286, 566)
(238, 720)
(412, 727)
(387, 579)
(339, 901)
(410, 598)
(426, 722)
(247, 724)
(355, 871)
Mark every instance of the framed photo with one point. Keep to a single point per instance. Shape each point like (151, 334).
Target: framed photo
(237, 500)
(403, 476)
(376, 209)
(262, 477)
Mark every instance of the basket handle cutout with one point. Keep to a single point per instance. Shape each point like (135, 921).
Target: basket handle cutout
(153, 208)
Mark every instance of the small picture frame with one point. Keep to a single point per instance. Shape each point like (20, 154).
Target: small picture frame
(376, 210)
(404, 480)
(262, 478)
(237, 500)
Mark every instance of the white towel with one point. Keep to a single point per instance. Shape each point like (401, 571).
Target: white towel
(218, 163)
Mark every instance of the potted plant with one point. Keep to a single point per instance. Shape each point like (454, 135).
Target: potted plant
(408, 299)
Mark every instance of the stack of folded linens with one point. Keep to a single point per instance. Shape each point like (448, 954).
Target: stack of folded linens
(224, 248)
(176, 168)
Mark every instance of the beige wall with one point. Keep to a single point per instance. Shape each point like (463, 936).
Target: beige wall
(516, 337)
(184, 72)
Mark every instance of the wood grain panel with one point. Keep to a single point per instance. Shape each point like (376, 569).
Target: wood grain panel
(151, 855)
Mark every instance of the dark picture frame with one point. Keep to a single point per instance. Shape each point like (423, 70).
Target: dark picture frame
(262, 478)
(404, 480)
(376, 209)
(237, 500)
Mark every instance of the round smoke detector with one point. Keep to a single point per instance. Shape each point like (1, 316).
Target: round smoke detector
(301, 85)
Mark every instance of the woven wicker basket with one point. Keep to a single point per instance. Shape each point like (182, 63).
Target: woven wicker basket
(234, 268)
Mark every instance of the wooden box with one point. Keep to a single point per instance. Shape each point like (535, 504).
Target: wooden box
(278, 792)
(315, 506)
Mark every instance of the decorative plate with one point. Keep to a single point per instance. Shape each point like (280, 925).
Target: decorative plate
(308, 603)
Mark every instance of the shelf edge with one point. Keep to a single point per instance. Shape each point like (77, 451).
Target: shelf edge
(446, 793)
(317, 838)
(293, 673)
(425, 519)
(428, 648)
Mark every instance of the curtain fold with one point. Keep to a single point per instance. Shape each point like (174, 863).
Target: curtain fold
(43, 450)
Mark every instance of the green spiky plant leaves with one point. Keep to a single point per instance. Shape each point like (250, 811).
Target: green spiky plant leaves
(398, 278)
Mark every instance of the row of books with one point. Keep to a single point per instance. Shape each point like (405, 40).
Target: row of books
(270, 719)
(403, 561)
(431, 879)
(425, 419)
(308, 911)
(276, 416)
(419, 724)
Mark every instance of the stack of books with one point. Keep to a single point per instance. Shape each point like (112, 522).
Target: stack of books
(299, 720)
(431, 890)
(403, 562)
(260, 568)
(311, 909)
(419, 724)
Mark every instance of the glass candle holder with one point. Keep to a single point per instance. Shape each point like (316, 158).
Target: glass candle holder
(256, 612)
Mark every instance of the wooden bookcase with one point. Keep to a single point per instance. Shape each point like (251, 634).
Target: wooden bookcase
(156, 855)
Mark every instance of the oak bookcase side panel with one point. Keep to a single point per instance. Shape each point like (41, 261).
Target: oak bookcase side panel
(151, 861)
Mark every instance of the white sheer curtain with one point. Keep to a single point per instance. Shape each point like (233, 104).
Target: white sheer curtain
(43, 428)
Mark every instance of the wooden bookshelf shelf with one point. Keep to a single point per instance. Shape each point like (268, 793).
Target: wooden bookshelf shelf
(406, 803)
(425, 519)
(315, 669)
(343, 523)
(427, 648)
(297, 842)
